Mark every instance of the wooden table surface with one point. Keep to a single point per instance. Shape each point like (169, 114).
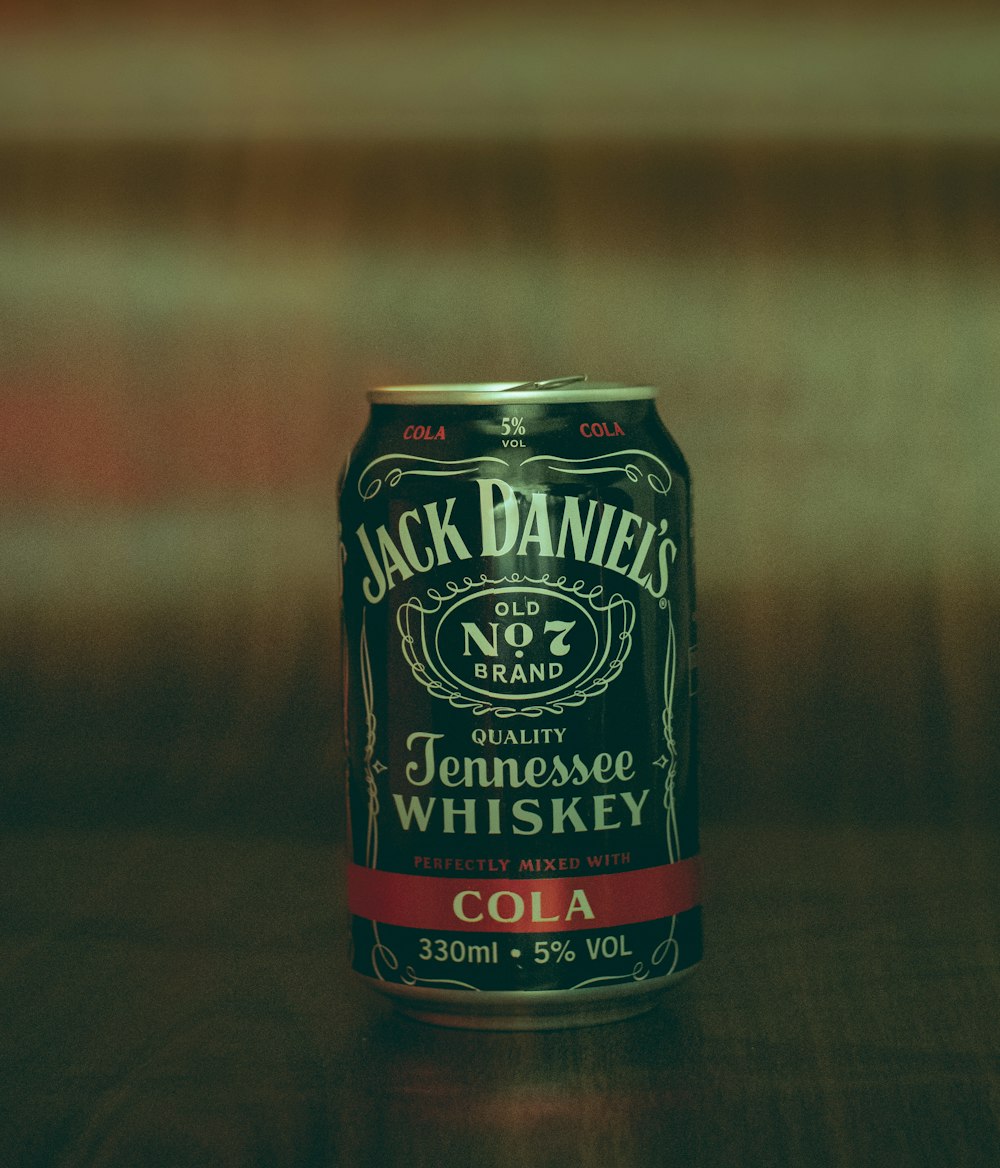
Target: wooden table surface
(183, 999)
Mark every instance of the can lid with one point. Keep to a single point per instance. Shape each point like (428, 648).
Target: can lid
(556, 389)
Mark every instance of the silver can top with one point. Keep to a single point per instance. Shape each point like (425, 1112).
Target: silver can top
(556, 389)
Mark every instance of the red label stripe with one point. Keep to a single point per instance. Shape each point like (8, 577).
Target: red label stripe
(452, 903)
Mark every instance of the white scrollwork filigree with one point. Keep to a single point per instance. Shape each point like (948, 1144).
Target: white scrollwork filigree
(381, 953)
(668, 760)
(412, 978)
(370, 482)
(373, 766)
(582, 466)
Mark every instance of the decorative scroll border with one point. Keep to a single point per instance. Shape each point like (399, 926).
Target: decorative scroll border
(381, 953)
(392, 475)
(634, 474)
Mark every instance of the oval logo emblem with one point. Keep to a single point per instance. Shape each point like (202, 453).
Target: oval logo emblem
(516, 645)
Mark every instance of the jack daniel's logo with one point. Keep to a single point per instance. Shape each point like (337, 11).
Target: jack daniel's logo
(602, 534)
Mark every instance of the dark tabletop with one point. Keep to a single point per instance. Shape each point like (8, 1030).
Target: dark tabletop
(183, 999)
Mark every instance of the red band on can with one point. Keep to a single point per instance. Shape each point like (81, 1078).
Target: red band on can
(556, 905)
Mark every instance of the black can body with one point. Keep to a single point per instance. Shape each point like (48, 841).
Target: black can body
(519, 635)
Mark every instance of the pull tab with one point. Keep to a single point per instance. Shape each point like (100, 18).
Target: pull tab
(552, 383)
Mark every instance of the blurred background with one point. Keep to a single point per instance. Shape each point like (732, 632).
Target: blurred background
(221, 223)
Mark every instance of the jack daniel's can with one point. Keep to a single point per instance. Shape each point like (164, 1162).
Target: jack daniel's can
(519, 699)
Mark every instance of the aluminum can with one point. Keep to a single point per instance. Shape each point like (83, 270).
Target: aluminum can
(519, 637)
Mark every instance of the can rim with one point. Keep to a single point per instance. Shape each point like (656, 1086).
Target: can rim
(561, 389)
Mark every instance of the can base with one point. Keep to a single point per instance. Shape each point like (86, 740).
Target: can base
(528, 1010)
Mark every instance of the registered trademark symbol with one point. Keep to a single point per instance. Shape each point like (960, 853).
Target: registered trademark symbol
(663, 602)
